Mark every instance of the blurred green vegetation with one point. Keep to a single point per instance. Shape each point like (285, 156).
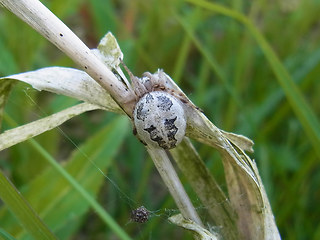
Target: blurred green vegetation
(218, 63)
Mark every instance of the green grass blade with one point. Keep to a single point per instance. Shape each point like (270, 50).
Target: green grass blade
(22, 210)
(7, 61)
(56, 200)
(185, 48)
(5, 88)
(107, 219)
(5, 236)
(299, 105)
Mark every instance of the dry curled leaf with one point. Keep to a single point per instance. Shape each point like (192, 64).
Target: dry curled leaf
(200, 232)
(30, 130)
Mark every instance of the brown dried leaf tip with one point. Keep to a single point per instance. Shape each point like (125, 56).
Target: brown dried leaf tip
(140, 215)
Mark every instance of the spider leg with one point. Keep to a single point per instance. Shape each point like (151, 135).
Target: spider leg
(147, 74)
(138, 87)
(147, 79)
(163, 78)
(127, 69)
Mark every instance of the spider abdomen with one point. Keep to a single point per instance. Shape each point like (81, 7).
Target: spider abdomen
(160, 120)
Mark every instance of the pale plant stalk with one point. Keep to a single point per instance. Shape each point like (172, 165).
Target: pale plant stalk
(52, 28)
(171, 179)
(47, 24)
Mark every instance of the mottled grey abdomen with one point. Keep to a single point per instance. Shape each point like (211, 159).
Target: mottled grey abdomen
(160, 120)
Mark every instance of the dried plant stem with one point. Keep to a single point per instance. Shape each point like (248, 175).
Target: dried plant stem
(47, 24)
(170, 178)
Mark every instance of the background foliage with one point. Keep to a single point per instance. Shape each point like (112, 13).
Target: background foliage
(216, 62)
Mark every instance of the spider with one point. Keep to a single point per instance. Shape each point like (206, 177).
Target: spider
(140, 215)
(159, 116)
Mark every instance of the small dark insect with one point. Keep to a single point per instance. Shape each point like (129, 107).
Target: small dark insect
(140, 215)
